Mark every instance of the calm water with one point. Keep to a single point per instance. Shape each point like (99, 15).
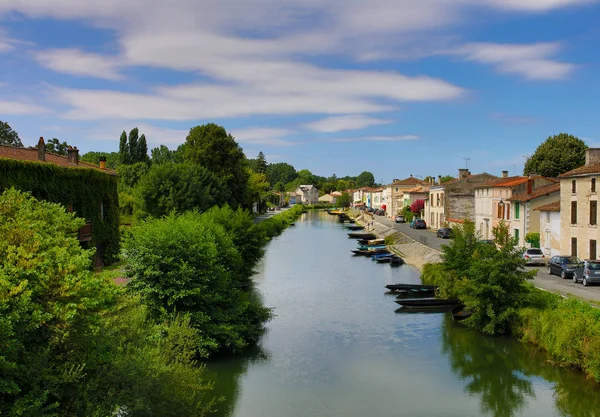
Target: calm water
(340, 347)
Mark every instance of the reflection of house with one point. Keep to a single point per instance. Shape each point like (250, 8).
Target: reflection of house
(86, 189)
(307, 194)
(328, 198)
(579, 232)
(550, 228)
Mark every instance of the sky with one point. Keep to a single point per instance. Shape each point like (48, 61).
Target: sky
(394, 87)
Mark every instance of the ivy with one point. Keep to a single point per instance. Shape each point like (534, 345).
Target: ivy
(82, 188)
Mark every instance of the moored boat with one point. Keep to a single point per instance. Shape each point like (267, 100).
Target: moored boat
(357, 235)
(355, 227)
(376, 241)
(366, 247)
(394, 287)
(396, 261)
(426, 303)
(379, 256)
(459, 313)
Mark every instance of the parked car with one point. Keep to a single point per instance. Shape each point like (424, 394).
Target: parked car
(444, 233)
(400, 219)
(487, 241)
(588, 272)
(419, 224)
(534, 256)
(563, 266)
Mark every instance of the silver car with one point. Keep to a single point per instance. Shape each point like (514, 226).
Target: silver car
(534, 256)
(588, 272)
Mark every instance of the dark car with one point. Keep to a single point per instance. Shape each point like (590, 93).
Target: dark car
(400, 219)
(444, 233)
(563, 266)
(419, 224)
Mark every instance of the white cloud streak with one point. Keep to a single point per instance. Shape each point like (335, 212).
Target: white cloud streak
(20, 108)
(264, 136)
(377, 139)
(77, 62)
(343, 123)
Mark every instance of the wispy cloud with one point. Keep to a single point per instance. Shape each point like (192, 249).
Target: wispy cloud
(511, 119)
(19, 107)
(264, 136)
(377, 138)
(77, 62)
(529, 60)
(343, 123)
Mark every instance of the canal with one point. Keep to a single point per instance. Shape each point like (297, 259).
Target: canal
(339, 346)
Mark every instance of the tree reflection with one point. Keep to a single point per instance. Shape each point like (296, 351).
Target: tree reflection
(489, 368)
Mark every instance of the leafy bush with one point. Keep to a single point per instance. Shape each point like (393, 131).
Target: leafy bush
(533, 238)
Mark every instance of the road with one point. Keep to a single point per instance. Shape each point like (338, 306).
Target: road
(542, 280)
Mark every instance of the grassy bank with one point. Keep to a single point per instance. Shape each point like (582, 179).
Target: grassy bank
(567, 328)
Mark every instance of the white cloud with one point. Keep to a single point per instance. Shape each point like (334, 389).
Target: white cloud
(529, 60)
(17, 107)
(6, 44)
(263, 136)
(537, 5)
(400, 138)
(77, 62)
(342, 123)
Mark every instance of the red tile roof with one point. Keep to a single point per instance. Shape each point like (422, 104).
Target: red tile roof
(550, 207)
(31, 154)
(538, 192)
(581, 171)
(409, 181)
(511, 181)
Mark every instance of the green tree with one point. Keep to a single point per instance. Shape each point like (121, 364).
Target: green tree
(213, 148)
(344, 200)
(447, 178)
(56, 147)
(124, 149)
(133, 145)
(130, 175)
(259, 189)
(177, 187)
(558, 154)
(162, 155)
(8, 136)
(281, 172)
(112, 158)
(261, 163)
(365, 179)
(142, 150)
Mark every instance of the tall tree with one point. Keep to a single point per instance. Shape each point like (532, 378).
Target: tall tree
(163, 155)
(54, 146)
(8, 136)
(113, 159)
(365, 179)
(281, 172)
(124, 148)
(133, 145)
(558, 154)
(261, 163)
(213, 148)
(142, 150)
(447, 178)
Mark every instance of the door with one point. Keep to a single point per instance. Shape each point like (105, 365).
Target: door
(592, 249)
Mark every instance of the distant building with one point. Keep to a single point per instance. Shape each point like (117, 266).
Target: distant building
(550, 228)
(328, 198)
(307, 194)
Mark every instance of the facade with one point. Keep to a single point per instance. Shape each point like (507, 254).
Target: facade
(377, 199)
(549, 216)
(328, 198)
(434, 207)
(525, 217)
(579, 231)
(417, 193)
(398, 188)
(386, 199)
(307, 194)
(459, 195)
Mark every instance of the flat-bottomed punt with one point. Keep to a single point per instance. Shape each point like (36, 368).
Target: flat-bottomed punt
(425, 303)
(394, 287)
(355, 227)
(459, 313)
(357, 235)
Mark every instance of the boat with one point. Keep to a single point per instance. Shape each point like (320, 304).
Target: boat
(355, 227)
(369, 252)
(459, 313)
(376, 241)
(386, 259)
(394, 287)
(396, 261)
(361, 235)
(379, 256)
(367, 247)
(414, 291)
(292, 224)
(427, 303)
(351, 221)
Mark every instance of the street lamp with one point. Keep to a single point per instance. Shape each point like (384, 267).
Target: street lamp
(501, 203)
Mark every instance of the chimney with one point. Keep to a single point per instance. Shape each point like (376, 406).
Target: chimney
(73, 155)
(530, 184)
(463, 173)
(102, 163)
(41, 149)
(504, 174)
(439, 179)
(592, 156)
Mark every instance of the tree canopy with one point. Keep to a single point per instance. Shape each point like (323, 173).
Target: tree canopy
(259, 164)
(112, 158)
(56, 147)
(281, 172)
(8, 136)
(133, 149)
(365, 179)
(558, 154)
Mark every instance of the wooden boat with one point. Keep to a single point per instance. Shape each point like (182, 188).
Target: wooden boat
(394, 287)
(351, 221)
(361, 235)
(379, 256)
(367, 247)
(386, 260)
(369, 253)
(459, 313)
(355, 227)
(427, 303)
(413, 291)
(333, 212)
(376, 241)
(396, 261)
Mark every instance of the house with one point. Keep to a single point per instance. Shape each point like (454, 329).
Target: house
(377, 199)
(579, 231)
(307, 194)
(550, 228)
(420, 192)
(492, 202)
(398, 188)
(434, 206)
(328, 199)
(88, 190)
(363, 197)
(525, 217)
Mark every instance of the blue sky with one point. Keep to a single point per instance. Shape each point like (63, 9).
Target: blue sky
(395, 87)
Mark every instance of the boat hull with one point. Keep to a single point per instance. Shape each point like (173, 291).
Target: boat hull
(394, 287)
(361, 235)
(427, 303)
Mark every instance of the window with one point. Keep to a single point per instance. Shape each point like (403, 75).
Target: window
(517, 210)
(573, 212)
(592, 249)
(573, 246)
(593, 185)
(547, 217)
(593, 212)
(507, 211)
(396, 190)
(573, 186)
(517, 234)
(499, 211)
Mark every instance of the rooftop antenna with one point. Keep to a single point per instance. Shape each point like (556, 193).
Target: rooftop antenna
(466, 162)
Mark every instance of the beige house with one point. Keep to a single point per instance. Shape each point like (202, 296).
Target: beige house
(550, 228)
(398, 188)
(377, 199)
(524, 216)
(434, 207)
(579, 232)
(328, 198)
(420, 192)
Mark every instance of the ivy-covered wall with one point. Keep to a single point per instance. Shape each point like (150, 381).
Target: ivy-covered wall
(83, 188)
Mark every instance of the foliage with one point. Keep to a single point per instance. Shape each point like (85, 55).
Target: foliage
(259, 189)
(558, 154)
(390, 240)
(176, 187)
(344, 200)
(112, 158)
(8, 136)
(417, 206)
(365, 179)
(281, 172)
(81, 188)
(275, 225)
(133, 149)
(56, 147)
(407, 213)
(186, 264)
(131, 174)
(216, 150)
(163, 155)
(447, 178)
(259, 164)
(533, 238)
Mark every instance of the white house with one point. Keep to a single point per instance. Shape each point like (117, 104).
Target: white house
(307, 194)
(328, 198)
(550, 228)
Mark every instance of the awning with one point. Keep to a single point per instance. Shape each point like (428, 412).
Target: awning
(383, 207)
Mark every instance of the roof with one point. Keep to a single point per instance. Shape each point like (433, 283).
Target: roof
(512, 181)
(582, 171)
(420, 189)
(409, 181)
(538, 192)
(31, 155)
(550, 207)
(469, 177)
(308, 187)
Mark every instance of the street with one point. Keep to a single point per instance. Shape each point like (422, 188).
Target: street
(542, 280)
